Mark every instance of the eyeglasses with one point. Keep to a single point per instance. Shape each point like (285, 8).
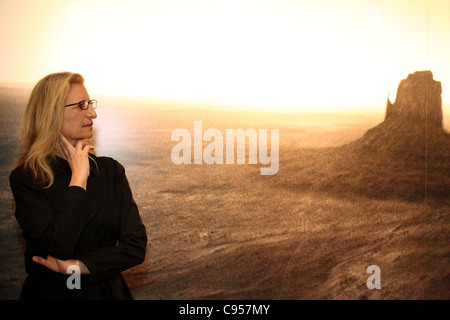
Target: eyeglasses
(84, 105)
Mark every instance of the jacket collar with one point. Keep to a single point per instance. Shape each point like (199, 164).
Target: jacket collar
(61, 164)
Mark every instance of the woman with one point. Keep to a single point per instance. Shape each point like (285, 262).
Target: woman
(74, 208)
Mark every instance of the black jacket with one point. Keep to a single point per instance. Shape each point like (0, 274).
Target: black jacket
(100, 226)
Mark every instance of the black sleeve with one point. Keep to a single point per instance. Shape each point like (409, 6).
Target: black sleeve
(132, 241)
(55, 232)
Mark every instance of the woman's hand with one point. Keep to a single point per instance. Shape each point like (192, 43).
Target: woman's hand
(78, 159)
(60, 266)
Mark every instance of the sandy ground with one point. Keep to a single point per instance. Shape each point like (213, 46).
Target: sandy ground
(226, 232)
(241, 239)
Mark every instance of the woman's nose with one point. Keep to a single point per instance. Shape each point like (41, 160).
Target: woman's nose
(91, 112)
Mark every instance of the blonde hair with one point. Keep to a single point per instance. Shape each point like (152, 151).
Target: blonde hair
(41, 124)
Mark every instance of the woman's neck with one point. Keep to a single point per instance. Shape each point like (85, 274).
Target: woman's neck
(60, 154)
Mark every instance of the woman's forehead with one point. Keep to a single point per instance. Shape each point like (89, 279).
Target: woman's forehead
(77, 92)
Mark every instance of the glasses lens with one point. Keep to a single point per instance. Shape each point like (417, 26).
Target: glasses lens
(83, 104)
(93, 104)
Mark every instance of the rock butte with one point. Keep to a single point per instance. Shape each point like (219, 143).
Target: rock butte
(407, 156)
(413, 123)
(418, 99)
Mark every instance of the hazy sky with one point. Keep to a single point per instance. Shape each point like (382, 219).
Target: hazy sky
(305, 55)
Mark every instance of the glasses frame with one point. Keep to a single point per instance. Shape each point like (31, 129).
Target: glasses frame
(81, 104)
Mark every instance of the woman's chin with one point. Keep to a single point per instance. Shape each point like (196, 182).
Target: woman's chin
(85, 136)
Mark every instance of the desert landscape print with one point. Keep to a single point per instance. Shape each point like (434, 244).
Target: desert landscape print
(363, 173)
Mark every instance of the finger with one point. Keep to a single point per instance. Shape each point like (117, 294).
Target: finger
(39, 260)
(63, 149)
(87, 148)
(48, 263)
(79, 145)
(66, 142)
